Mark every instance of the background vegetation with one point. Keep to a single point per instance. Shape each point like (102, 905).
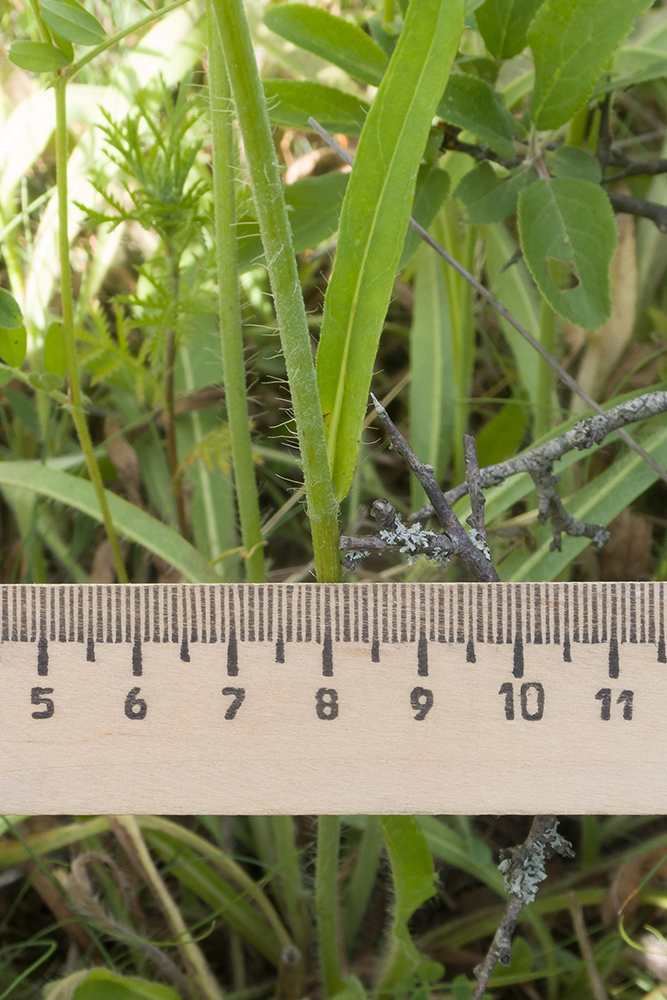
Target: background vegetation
(157, 336)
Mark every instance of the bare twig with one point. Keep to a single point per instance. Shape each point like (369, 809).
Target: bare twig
(476, 556)
(633, 167)
(523, 868)
(539, 462)
(394, 536)
(639, 206)
(504, 312)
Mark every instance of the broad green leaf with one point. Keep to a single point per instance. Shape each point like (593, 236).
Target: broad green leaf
(72, 22)
(471, 104)
(599, 502)
(13, 345)
(37, 57)
(568, 236)
(482, 66)
(374, 222)
(329, 37)
(313, 206)
(102, 984)
(131, 522)
(292, 102)
(53, 354)
(571, 42)
(488, 197)
(432, 189)
(571, 161)
(503, 25)
(10, 313)
(432, 385)
(224, 899)
(413, 877)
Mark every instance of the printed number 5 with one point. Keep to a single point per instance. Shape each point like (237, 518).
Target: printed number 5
(37, 698)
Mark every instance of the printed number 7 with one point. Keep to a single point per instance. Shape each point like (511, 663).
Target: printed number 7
(239, 696)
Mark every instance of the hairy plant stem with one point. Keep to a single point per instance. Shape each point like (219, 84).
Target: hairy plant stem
(545, 374)
(229, 305)
(75, 407)
(326, 903)
(276, 235)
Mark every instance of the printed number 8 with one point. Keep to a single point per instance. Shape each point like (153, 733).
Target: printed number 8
(326, 703)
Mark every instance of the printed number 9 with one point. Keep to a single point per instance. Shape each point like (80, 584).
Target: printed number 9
(421, 700)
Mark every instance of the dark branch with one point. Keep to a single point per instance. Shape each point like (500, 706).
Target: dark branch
(523, 868)
(477, 499)
(639, 206)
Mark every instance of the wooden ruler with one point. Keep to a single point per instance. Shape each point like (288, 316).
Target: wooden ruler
(349, 698)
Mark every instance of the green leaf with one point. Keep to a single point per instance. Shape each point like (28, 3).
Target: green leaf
(374, 221)
(102, 984)
(432, 189)
(501, 436)
(503, 24)
(571, 42)
(488, 197)
(37, 57)
(568, 236)
(352, 990)
(6, 375)
(72, 22)
(330, 37)
(130, 521)
(414, 879)
(13, 345)
(54, 355)
(599, 502)
(10, 313)
(471, 104)
(292, 102)
(571, 161)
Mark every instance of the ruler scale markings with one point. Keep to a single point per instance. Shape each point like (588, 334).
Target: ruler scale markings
(470, 644)
(662, 657)
(185, 649)
(650, 596)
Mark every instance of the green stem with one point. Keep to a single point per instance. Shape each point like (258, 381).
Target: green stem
(326, 903)
(276, 234)
(291, 882)
(76, 407)
(363, 879)
(545, 373)
(229, 304)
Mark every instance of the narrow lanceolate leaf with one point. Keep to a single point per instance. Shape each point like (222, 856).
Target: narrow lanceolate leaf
(413, 876)
(129, 521)
(504, 24)
(329, 37)
(374, 221)
(72, 22)
(571, 42)
(292, 102)
(568, 236)
(470, 103)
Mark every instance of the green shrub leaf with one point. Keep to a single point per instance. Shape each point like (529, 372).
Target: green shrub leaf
(72, 22)
(374, 222)
(13, 345)
(330, 37)
(571, 161)
(10, 313)
(38, 57)
(503, 25)
(571, 41)
(470, 103)
(568, 236)
(53, 353)
(292, 102)
(488, 197)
